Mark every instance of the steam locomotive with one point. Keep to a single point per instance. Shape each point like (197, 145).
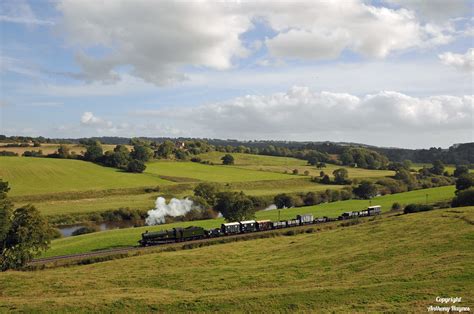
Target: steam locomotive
(232, 228)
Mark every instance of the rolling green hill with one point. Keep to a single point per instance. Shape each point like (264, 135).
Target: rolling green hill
(390, 264)
(217, 173)
(127, 237)
(287, 165)
(47, 175)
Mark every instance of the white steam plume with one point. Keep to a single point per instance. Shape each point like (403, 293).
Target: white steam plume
(271, 207)
(174, 208)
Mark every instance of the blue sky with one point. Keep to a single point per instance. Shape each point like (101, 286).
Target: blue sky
(390, 73)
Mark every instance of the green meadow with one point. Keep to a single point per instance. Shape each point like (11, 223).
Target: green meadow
(395, 263)
(28, 176)
(130, 236)
(287, 165)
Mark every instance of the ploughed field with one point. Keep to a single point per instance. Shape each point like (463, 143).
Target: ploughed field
(395, 263)
(72, 187)
(129, 237)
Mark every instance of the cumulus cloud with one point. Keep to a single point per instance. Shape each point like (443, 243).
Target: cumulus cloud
(305, 114)
(89, 119)
(159, 40)
(156, 38)
(435, 9)
(20, 12)
(464, 62)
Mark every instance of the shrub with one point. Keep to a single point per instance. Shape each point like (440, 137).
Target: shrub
(227, 159)
(396, 206)
(136, 166)
(464, 198)
(8, 153)
(415, 208)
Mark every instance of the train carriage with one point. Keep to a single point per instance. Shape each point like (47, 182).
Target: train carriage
(230, 228)
(293, 223)
(248, 226)
(305, 219)
(279, 224)
(263, 225)
(374, 210)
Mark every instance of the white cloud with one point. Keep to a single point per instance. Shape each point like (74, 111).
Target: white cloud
(159, 40)
(464, 62)
(301, 113)
(20, 12)
(436, 9)
(89, 119)
(155, 38)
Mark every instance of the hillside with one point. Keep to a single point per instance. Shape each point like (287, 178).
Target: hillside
(130, 236)
(392, 263)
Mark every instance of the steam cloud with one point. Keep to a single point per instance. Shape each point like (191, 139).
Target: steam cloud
(271, 207)
(174, 208)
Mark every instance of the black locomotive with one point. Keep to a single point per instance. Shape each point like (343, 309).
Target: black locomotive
(195, 233)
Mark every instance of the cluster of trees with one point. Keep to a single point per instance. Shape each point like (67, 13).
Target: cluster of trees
(341, 177)
(459, 154)
(24, 233)
(234, 206)
(120, 157)
(464, 187)
(363, 158)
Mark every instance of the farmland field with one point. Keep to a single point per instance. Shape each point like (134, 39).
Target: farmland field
(51, 148)
(98, 203)
(47, 175)
(393, 264)
(126, 237)
(287, 165)
(209, 173)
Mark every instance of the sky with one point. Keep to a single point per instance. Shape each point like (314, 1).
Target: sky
(395, 73)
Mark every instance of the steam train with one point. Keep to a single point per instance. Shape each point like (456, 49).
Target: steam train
(240, 227)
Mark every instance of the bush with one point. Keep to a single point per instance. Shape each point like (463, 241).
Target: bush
(136, 166)
(415, 208)
(7, 153)
(227, 159)
(283, 201)
(464, 198)
(396, 206)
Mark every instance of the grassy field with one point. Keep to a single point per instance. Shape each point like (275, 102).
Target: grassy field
(391, 264)
(52, 207)
(196, 171)
(287, 165)
(253, 160)
(127, 237)
(52, 148)
(46, 175)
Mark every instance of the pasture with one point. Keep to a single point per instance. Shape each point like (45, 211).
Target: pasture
(287, 165)
(28, 176)
(211, 173)
(127, 237)
(389, 264)
(52, 148)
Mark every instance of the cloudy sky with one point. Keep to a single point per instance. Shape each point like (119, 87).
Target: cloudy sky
(383, 72)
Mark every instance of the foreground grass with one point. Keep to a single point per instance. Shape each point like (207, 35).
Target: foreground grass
(390, 264)
(128, 237)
